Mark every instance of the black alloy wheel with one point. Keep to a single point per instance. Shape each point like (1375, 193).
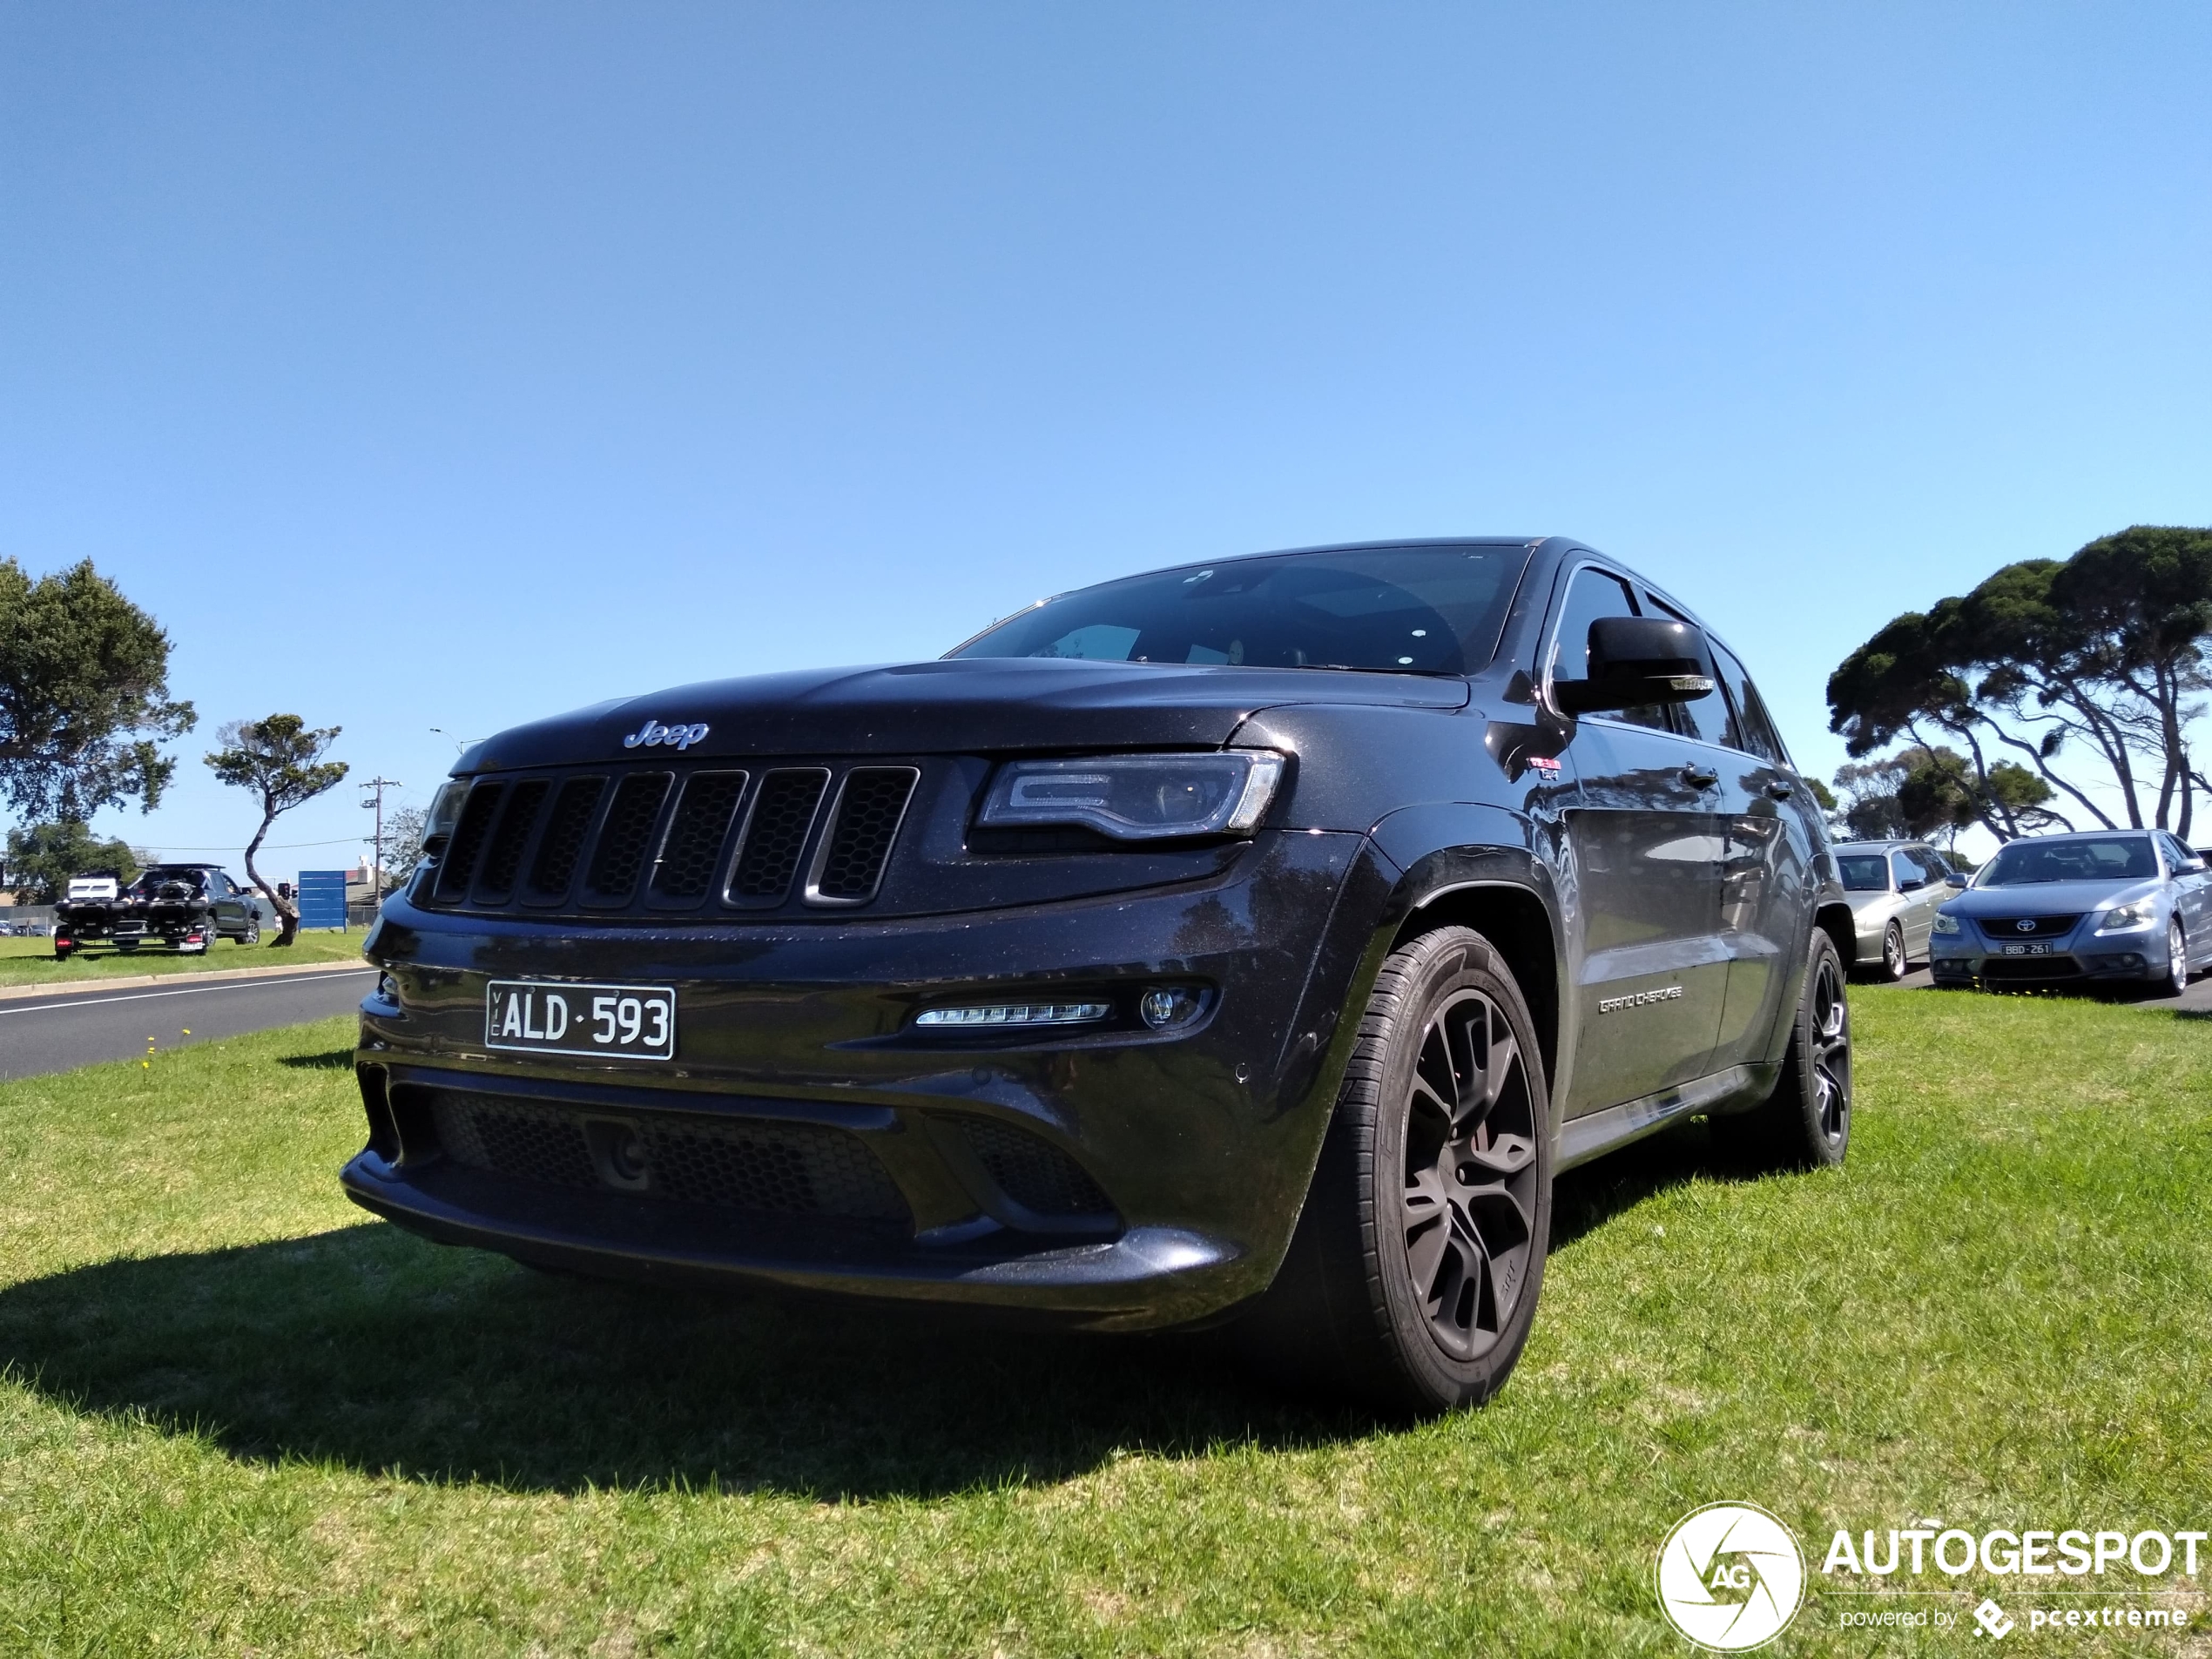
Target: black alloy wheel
(1805, 1123)
(1469, 1155)
(1413, 1276)
(1894, 965)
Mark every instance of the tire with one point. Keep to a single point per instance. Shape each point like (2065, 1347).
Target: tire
(250, 936)
(1895, 965)
(2176, 979)
(1805, 1123)
(1411, 1280)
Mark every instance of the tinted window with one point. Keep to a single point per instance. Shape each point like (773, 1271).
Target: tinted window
(1754, 733)
(1702, 718)
(2113, 858)
(1864, 872)
(1591, 597)
(1407, 610)
(1909, 873)
(2176, 855)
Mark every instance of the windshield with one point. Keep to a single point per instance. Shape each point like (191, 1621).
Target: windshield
(1864, 871)
(2115, 858)
(1400, 610)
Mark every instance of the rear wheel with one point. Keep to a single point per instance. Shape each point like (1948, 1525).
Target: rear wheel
(1412, 1278)
(1805, 1123)
(251, 935)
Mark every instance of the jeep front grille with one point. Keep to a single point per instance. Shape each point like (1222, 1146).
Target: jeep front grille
(653, 840)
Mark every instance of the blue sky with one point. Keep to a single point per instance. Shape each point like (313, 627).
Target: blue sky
(444, 365)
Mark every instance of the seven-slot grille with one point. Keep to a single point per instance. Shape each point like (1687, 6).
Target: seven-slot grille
(666, 840)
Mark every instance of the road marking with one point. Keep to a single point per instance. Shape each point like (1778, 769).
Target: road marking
(189, 990)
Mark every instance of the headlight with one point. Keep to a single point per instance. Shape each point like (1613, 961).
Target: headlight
(1944, 924)
(2129, 918)
(445, 812)
(1136, 797)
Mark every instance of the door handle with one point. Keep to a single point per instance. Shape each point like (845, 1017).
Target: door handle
(1779, 789)
(1700, 777)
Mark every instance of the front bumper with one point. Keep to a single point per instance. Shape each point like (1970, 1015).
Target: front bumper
(807, 1135)
(2082, 957)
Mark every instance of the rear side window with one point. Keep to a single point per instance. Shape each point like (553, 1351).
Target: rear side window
(1754, 731)
(1593, 595)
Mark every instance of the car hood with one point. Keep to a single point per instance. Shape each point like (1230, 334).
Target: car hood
(2049, 898)
(962, 706)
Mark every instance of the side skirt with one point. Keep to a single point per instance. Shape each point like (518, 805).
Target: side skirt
(1594, 1134)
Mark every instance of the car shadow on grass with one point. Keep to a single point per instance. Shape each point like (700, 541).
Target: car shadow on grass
(334, 1060)
(368, 1347)
(1584, 1199)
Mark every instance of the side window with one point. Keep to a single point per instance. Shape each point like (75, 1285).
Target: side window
(1932, 862)
(1592, 595)
(1908, 871)
(2176, 855)
(1755, 733)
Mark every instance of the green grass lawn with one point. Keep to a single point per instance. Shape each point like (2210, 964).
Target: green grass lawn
(30, 961)
(238, 1416)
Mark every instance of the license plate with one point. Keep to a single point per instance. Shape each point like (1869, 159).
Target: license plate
(2027, 950)
(622, 1021)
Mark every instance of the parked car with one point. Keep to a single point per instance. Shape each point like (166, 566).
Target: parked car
(1896, 888)
(1251, 939)
(184, 906)
(2116, 907)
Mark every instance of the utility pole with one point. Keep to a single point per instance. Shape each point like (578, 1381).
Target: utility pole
(376, 858)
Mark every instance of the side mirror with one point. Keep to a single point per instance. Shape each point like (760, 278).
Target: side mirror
(1635, 660)
(2193, 867)
(1954, 880)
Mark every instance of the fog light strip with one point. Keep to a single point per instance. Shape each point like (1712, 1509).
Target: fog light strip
(1003, 1014)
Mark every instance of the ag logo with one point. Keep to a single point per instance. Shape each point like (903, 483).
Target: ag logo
(1730, 1576)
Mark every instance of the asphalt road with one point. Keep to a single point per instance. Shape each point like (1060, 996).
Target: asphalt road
(43, 1033)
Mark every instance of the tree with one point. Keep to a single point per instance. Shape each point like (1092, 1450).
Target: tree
(403, 832)
(84, 696)
(1920, 791)
(2100, 653)
(42, 859)
(280, 758)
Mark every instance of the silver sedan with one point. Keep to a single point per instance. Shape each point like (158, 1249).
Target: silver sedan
(1895, 890)
(2100, 905)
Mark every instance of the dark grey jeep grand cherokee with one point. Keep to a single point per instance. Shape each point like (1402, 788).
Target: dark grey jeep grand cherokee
(1252, 941)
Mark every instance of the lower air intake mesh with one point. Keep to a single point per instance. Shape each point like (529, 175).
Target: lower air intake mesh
(1034, 1173)
(690, 1157)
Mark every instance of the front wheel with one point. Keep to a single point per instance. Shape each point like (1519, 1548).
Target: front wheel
(1805, 1123)
(2177, 961)
(1894, 964)
(1412, 1278)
